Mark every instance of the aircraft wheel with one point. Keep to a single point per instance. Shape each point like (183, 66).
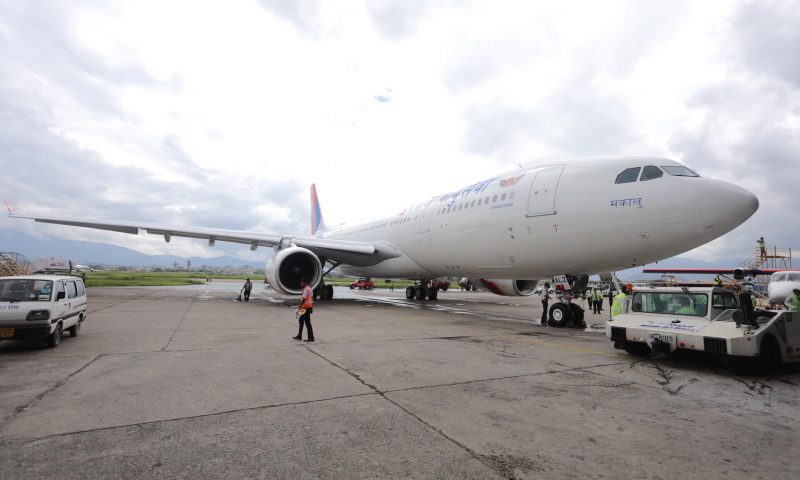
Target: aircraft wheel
(421, 292)
(577, 316)
(433, 293)
(317, 293)
(559, 315)
(329, 292)
(352, 287)
(411, 292)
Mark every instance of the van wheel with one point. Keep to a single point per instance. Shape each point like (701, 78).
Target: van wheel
(54, 339)
(75, 329)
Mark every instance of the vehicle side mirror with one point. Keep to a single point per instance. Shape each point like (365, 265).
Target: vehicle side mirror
(60, 295)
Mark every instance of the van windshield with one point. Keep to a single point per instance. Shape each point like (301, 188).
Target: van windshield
(25, 290)
(673, 303)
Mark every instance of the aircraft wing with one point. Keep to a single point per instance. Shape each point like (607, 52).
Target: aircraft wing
(330, 248)
(738, 273)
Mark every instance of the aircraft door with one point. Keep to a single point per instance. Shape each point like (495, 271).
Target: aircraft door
(542, 198)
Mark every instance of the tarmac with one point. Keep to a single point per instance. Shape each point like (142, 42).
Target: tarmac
(186, 382)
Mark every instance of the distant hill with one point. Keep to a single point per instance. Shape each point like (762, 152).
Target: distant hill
(95, 253)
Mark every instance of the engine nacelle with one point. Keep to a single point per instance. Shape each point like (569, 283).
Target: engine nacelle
(510, 288)
(286, 268)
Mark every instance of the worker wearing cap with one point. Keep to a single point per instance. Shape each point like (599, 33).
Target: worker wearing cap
(304, 311)
(620, 304)
(793, 301)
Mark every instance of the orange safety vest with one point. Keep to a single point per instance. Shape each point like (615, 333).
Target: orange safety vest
(308, 301)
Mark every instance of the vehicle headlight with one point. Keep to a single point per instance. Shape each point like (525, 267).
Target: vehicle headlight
(38, 315)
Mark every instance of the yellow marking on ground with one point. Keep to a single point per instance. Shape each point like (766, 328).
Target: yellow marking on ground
(563, 346)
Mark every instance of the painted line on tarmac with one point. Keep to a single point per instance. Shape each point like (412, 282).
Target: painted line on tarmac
(563, 346)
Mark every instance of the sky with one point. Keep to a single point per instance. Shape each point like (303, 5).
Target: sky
(221, 114)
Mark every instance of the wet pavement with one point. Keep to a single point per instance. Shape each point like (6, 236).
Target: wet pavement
(185, 382)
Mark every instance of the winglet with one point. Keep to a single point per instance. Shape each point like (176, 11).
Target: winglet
(317, 224)
(11, 209)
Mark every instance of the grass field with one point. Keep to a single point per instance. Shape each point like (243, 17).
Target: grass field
(150, 279)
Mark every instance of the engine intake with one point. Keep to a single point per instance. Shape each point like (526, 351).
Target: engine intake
(285, 269)
(510, 288)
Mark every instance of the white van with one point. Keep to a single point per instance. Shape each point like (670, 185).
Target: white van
(41, 306)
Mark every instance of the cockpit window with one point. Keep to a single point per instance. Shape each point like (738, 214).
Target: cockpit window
(628, 175)
(679, 171)
(650, 172)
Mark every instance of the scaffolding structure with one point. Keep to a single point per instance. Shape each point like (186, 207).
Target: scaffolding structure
(12, 263)
(770, 258)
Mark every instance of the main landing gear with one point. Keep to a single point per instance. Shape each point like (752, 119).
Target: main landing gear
(323, 290)
(564, 314)
(422, 291)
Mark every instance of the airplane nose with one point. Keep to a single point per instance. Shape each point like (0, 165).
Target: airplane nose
(728, 205)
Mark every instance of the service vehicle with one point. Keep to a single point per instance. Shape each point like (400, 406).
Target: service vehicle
(41, 306)
(713, 320)
(363, 284)
(441, 283)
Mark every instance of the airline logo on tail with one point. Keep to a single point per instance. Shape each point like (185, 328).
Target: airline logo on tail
(317, 224)
(11, 209)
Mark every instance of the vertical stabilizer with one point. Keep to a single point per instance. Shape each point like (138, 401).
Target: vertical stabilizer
(317, 224)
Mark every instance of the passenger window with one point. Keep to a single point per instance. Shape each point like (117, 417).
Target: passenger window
(503, 198)
(494, 199)
(793, 277)
(628, 175)
(59, 288)
(81, 289)
(72, 291)
(650, 172)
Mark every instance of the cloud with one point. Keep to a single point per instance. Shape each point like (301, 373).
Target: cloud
(397, 18)
(305, 15)
(766, 38)
(576, 120)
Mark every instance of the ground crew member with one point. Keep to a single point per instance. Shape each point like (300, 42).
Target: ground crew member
(304, 311)
(763, 248)
(620, 304)
(793, 301)
(686, 307)
(717, 281)
(545, 301)
(595, 299)
(248, 285)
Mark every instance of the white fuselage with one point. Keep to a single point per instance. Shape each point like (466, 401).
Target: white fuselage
(553, 219)
(781, 285)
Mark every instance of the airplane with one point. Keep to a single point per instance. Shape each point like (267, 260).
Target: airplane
(781, 281)
(573, 218)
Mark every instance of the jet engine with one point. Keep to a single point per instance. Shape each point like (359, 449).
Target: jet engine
(285, 269)
(510, 288)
